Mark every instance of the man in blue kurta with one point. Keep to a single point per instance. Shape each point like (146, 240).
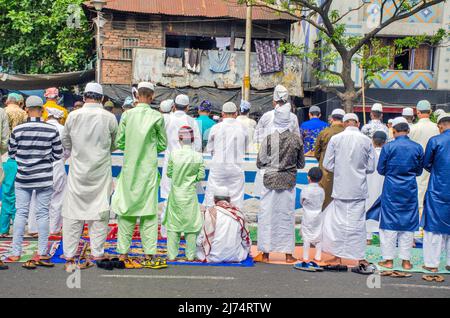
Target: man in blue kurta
(436, 212)
(310, 130)
(401, 161)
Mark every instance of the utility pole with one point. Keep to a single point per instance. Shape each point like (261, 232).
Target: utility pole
(99, 5)
(248, 48)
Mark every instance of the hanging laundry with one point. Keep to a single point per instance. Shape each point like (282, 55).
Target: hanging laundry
(219, 61)
(222, 43)
(194, 60)
(238, 43)
(269, 60)
(175, 53)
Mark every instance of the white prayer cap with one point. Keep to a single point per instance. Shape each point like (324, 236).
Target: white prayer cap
(351, 116)
(399, 120)
(148, 85)
(229, 108)
(390, 121)
(280, 94)
(443, 116)
(338, 111)
(55, 113)
(408, 111)
(166, 105)
(314, 109)
(94, 88)
(182, 100)
(438, 112)
(423, 105)
(34, 101)
(221, 192)
(377, 107)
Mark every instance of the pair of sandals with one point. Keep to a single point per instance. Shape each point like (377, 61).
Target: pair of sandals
(110, 264)
(38, 262)
(82, 263)
(434, 278)
(308, 267)
(395, 274)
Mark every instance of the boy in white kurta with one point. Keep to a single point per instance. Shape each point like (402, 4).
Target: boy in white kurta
(311, 198)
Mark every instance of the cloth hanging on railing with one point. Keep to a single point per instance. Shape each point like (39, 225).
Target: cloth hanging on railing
(193, 64)
(219, 61)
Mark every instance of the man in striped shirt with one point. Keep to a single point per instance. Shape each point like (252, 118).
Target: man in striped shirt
(35, 145)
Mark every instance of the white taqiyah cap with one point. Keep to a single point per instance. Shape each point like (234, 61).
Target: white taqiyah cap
(443, 116)
(280, 94)
(94, 88)
(182, 100)
(377, 107)
(221, 192)
(229, 108)
(423, 105)
(146, 85)
(55, 113)
(399, 120)
(438, 112)
(408, 111)
(338, 111)
(351, 116)
(390, 121)
(166, 105)
(34, 101)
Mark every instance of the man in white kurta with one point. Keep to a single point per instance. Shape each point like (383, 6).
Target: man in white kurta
(351, 157)
(249, 123)
(224, 236)
(421, 132)
(89, 135)
(375, 183)
(227, 143)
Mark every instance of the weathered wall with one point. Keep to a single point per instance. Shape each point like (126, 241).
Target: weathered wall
(148, 64)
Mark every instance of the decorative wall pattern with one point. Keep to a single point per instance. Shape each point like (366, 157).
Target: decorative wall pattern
(431, 14)
(405, 80)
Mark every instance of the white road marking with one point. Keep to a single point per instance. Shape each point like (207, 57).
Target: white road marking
(418, 286)
(171, 277)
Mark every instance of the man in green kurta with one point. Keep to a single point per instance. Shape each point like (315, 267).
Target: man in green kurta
(186, 169)
(337, 126)
(141, 136)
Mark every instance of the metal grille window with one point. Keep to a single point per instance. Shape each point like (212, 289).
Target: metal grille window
(127, 47)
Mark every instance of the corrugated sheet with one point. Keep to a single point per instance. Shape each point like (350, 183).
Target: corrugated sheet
(193, 8)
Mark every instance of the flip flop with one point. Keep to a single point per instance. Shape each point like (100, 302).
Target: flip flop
(131, 263)
(3, 266)
(158, 263)
(316, 266)
(117, 263)
(364, 269)
(335, 268)
(86, 264)
(44, 263)
(386, 273)
(429, 269)
(105, 264)
(397, 274)
(31, 264)
(436, 278)
(303, 266)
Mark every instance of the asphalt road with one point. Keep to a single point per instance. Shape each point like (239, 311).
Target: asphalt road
(263, 280)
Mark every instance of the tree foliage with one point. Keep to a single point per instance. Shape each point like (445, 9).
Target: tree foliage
(43, 36)
(365, 50)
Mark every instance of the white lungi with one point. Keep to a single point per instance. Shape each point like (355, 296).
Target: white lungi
(72, 230)
(433, 246)
(388, 244)
(344, 229)
(276, 221)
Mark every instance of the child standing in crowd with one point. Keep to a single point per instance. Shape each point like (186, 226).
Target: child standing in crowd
(35, 145)
(186, 169)
(312, 197)
(375, 184)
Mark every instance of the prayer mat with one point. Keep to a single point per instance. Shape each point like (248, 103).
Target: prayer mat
(373, 255)
(28, 249)
(137, 251)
